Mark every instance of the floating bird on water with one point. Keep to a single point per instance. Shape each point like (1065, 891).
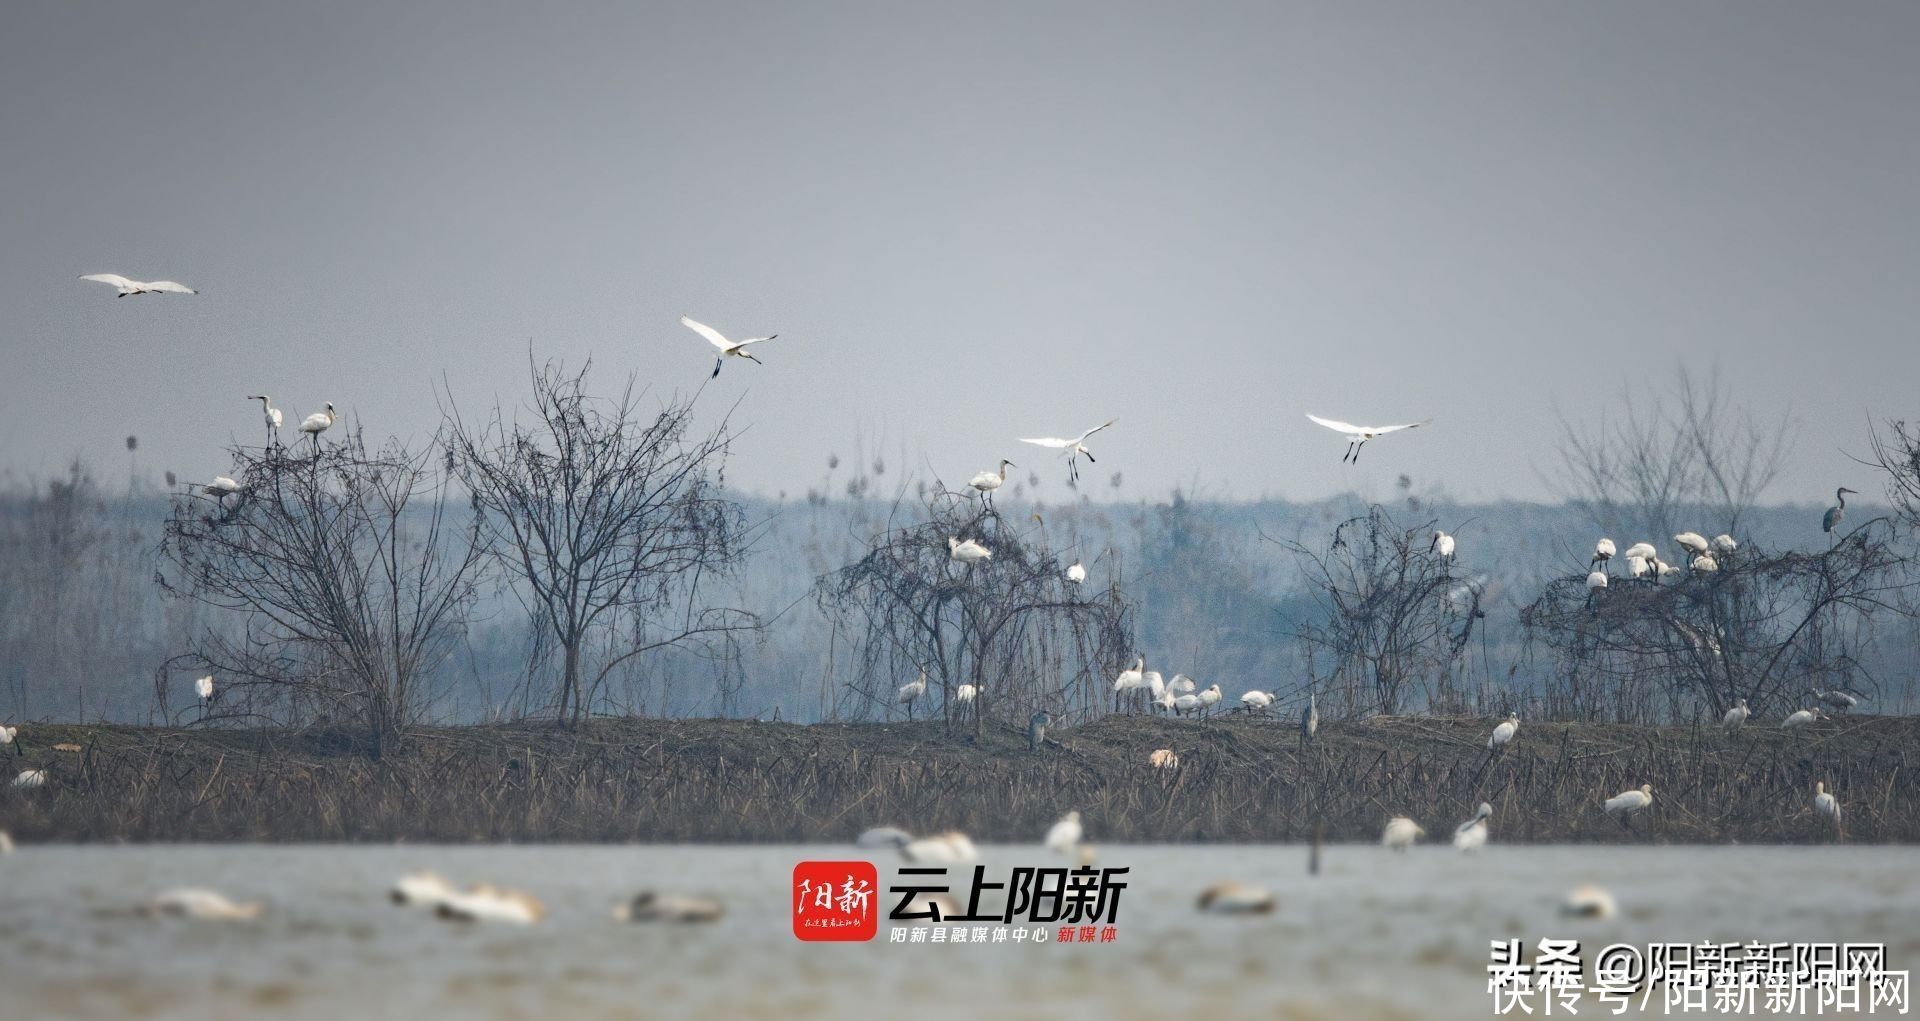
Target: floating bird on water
(949, 848)
(1075, 448)
(1472, 834)
(1588, 901)
(421, 889)
(1736, 717)
(987, 482)
(648, 906)
(967, 552)
(1831, 520)
(1358, 435)
(1400, 834)
(1503, 734)
(484, 902)
(1065, 834)
(127, 286)
(1236, 899)
(206, 905)
(728, 348)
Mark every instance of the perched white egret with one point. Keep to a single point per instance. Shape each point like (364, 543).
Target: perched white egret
(1705, 564)
(1588, 901)
(1692, 542)
(1358, 435)
(1065, 834)
(1596, 581)
(1627, 804)
(1309, 719)
(1077, 574)
(1835, 698)
(1209, 697)
(1662, 569)
(318, 422)
(484, 902)
(1236, 899)
(1831, 520)
(421, 889)
(272, 416)
(1184, 704)
(204, 688)
(221, 487)
(1075, 448)
(1400, 834)
(1643, 550)
(967, 551)
(1800, 719)
(206, 905)
(987, 482)
(1724, 544)
(1636, 566)
(1163, 758)
(30, 778)
(1736, 717)
(1472, 834)
(1256, 701)
(910, 693)
(965, 693)
(1826, 805)
(1443, 545)
(1602, 553)
(1503, 734)
(728, 348)
(1133, 678)
(648, 906)
(127, 286)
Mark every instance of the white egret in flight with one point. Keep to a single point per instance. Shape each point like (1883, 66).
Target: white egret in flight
(139, 286)
(1358, 435)
(1075, 447)
(728, 348)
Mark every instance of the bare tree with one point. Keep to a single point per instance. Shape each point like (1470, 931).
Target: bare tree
(1662, 455)
(1012, 626)
(610, 519)
(1394, 616)
(353, 573)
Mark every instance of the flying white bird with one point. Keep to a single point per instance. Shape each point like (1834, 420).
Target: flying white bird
(1736, 717)
(1825, 804)
(317, 423)
(204, 688)
(910, 693)
(1472, 834)
(272, 416)
(1625, 805)
(1400, 834)
(1074, 448)
(1065, 834)
(137, 286)
(967, 552)
(1443, 545)
(1602, 552)
(1358, 435)
(1077, 574)
(949, 848)
(728, 348)
(987, 482)
(1503, 734)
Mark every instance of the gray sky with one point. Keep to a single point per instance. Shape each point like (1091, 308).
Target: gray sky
(968, 223)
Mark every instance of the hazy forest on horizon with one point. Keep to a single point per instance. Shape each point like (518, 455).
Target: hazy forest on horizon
(121, 583)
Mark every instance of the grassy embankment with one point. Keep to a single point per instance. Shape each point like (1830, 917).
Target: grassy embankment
(1240, 779)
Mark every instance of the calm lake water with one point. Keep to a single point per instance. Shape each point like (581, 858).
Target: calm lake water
(1374, 935)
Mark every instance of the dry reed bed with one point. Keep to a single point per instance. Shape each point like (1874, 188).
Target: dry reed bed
(1240, 779)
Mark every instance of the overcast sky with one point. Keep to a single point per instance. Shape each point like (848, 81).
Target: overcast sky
(968, 223)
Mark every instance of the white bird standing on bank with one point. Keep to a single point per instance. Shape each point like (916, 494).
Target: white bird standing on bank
(1834, 697)
(204, 688)
(1065, 834)
(728, 348)
(965, 693)
(1163, 758)
(1825, 805)
(1602, 553)
(910, 693)
(1800, 719)
(1309, 719)
(1735, 717)
(1831, 520)
(1472, 834)
(1134, 678)
(1443, 545)
(987, 482)
(1627, 804)
(1256, 701)
(1077, 575)
(967, 552)
(127, 286)
(1400, 834)
(317, 423)
(1184, 704)
(1209, 697)
(1075, 448)
(272, 416)
(1503, 734)
(1358, 435)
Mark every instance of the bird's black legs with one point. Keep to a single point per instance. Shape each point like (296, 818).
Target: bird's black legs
(1349, 453)
(1362, 445)
(717, 362)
